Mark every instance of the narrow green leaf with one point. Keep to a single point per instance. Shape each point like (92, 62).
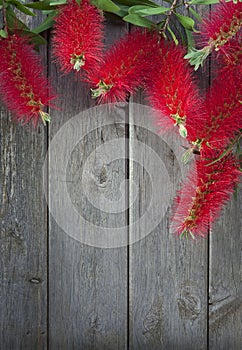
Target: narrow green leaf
(190, 39)
(42, 5)
(136, 2)
(12, 21)
(3, 34)
(36, 39)
(147, 10)
(186, 22)
(187, 156)
(195, 14)
(14, 24)
(58, 2)
(47, 12)
(106, 5)
(123, 11)
(21, 7)
(139, 21)
(48, 23)
(172, 35)
(203, 2)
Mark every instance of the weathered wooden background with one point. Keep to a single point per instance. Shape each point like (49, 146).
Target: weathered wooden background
(56, 293)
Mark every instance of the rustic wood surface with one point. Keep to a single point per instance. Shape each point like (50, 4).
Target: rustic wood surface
(23, 234)
(58, 293)
(168, 277)
(225, 288)
(87, 284)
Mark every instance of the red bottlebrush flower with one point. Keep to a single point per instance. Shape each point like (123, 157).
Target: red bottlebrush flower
(233, 53)
(23, 87)
(125, 67)
(224, 117)
(202, 197)
(224, 24)
(171, 90)
(77, 37)
(217, 31)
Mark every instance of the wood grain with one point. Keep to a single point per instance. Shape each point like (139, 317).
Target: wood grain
(59, 293)
(168, 276)
(23, 237)
(88, 285)
(225, 284)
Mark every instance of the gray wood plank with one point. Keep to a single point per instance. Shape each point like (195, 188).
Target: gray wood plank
(23, 236)
(225, 271)
(225, 286)
(168, 276)
(88, 285)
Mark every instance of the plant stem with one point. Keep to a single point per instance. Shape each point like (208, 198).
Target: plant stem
(173, 6)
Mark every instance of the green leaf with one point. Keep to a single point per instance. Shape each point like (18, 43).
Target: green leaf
(48, 23)
(137, 2)
(14, 24)
(190, 39)
(187, 156)
(203, 2)
(186, 22)
(139, 21)
(58, 2)
(42, 5)
(106, 5)
(197, 57)
(3, 34)
(147, 10)
(21, 7)
(13, 21)
(182, 130)
(36, 39)
(123, 11)
(195, 14)
(172, 35)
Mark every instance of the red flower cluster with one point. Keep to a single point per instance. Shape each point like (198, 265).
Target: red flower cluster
(172, 90)
(78, 35)
(125, 66)
(142, 59)
(23, 87)
(224, 117)
(224, 24)
(233, 55)
(201, 199)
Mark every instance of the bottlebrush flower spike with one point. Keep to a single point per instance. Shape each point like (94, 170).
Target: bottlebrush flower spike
(216, 32)
(125, 66)
(224, 117)
(233, 53)
(23, 87)
(171, 90)
(202, 197)
(224, 24)
(77, 37)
